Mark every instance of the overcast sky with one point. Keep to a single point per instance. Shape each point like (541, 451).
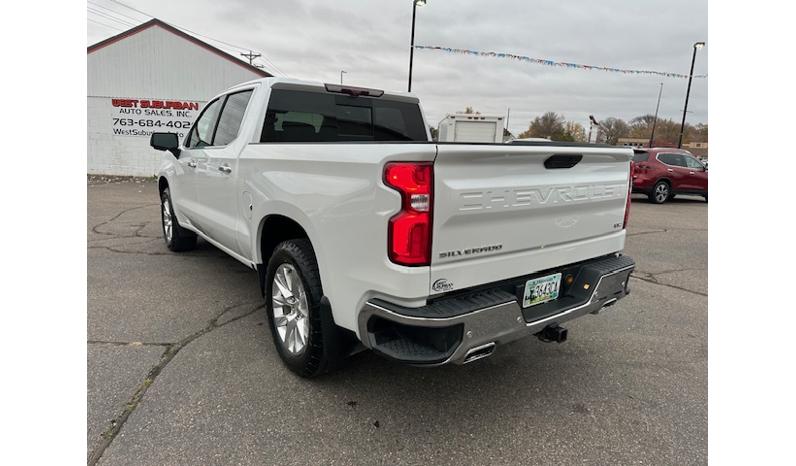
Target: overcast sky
(315, 39)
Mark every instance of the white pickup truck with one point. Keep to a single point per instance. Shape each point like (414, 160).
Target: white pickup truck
(363, 230)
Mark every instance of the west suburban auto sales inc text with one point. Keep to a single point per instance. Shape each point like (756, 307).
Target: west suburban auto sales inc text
(141, 117)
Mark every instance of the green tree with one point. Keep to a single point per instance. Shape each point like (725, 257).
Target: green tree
(549, 125)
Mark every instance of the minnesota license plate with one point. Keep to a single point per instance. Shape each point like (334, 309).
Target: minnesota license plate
(541, 290)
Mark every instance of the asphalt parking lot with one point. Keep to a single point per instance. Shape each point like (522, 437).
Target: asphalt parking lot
(182, 370)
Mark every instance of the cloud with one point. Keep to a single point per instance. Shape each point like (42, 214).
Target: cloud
(314, 40)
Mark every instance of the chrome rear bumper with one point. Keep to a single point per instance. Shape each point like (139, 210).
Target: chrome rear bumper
(440, 333)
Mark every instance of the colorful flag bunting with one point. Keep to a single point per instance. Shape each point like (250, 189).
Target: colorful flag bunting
(540, 61)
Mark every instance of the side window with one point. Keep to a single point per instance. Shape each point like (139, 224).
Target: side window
(672, 159)
(641, 156)
(693, 163)
(231, 117)
(202, 131)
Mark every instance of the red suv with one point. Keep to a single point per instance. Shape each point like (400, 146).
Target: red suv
(661, 173)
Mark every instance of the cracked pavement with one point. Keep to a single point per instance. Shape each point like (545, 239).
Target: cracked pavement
(182, 369)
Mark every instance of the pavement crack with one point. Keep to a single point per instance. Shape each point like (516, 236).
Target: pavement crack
(168, 355)
(647, 232)
(651, 279)
(96, 227)
(127, 343)
(145, 253)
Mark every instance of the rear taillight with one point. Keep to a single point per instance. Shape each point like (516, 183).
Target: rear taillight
(409, 231)
(629, 192)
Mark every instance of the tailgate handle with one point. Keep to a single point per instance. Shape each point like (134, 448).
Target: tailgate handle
(562, 160)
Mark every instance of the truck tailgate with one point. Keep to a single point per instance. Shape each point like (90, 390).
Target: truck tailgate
(499, 212)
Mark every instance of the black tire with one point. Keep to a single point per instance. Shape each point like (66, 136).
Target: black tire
(324, 346)
(178, 239)
(660, 192)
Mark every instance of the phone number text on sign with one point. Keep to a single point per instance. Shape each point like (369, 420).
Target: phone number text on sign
(142, 117)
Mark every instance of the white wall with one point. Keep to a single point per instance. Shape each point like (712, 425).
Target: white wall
(110, 154)
(153, 64)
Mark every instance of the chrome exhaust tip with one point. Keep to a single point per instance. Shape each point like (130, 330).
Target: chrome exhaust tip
(479, 352)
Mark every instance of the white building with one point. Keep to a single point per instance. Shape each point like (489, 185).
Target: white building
(152, 77)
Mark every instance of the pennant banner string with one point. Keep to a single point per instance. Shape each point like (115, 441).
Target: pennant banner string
(541, 61)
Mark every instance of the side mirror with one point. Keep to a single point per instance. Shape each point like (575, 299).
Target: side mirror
(166, 141)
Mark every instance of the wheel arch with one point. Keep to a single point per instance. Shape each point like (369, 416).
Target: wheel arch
(279, 228)
(163, 183)
(665, 180)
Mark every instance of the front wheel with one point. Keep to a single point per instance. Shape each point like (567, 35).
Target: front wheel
(305, 336)
(177, 238)
(660, 192)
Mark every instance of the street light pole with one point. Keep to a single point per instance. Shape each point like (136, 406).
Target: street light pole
(342, 72)
(697, 46)
(655, 120)
(415, 4)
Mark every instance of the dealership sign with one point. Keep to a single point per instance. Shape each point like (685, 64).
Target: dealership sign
(142, 117)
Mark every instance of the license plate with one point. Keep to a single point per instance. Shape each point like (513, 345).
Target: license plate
(541, 290)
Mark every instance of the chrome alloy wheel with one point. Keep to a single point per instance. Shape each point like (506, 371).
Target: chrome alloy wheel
(291, 311)
(167, 220)
(661, 192)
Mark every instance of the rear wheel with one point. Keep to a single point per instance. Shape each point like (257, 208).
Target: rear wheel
(304, 333)
(177, 238)
(660, 193)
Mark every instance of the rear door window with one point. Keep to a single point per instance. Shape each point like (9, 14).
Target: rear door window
(231, 117)
(308, 116)
(676, 160)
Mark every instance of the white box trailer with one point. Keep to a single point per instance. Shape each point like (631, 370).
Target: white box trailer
(470, 127)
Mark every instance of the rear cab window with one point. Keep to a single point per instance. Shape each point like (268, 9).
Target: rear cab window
(640, 156)
(318, 116)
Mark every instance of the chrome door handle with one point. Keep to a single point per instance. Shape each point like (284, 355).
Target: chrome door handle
(225, 169)
(690, 173)
(669, 170)
(191, 163)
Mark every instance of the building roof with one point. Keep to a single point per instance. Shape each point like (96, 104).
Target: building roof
(156, 22)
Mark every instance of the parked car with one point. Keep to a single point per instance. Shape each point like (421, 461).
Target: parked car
(364, 230)
(662, 173)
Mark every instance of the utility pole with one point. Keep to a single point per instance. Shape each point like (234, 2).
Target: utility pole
(342, 72)
(697, 46)
(655, 121)
(415, 4)
(508, 114)
(251, 56)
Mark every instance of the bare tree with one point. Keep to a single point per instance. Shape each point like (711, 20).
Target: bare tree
(611, 129)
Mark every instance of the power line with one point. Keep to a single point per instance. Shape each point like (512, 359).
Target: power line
(237, 47)
(251, 56)
(115, 12)
(115, 28)
(103, 15)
